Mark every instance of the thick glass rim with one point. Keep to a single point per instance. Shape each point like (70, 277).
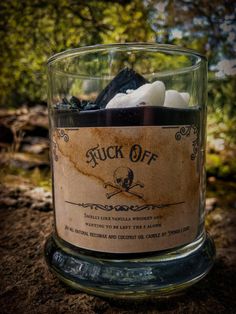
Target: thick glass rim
(135, 46)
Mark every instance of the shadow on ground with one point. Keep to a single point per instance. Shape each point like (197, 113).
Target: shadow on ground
(28, 287)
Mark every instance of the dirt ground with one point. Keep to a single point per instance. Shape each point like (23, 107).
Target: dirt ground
(27, 286)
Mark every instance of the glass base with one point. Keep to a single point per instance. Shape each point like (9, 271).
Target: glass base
(159, 275)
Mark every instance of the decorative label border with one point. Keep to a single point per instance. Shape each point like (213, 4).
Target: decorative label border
(134, 208)
(60, 133)
(184, 131)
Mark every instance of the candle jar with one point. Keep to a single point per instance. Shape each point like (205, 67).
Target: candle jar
(127, 134)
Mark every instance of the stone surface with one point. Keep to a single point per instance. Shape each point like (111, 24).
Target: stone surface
(20, 124)
(39, 199)
(27, 286)
(35, 198)
(26, 161)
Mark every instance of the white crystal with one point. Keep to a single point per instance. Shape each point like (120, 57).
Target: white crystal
(129, 91)
(186, 97)
(150, 94)
(175, 99)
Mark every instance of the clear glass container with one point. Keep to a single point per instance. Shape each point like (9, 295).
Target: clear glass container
(127, 134)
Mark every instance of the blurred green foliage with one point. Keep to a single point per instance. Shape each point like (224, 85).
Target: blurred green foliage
(33, 30)
(209, 27)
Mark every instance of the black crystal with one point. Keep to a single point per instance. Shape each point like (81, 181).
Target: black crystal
(125, 79)
(75, 103)
(90, 106)
(65, 101)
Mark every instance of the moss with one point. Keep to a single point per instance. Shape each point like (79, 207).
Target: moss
(35, 177)
(220, 166)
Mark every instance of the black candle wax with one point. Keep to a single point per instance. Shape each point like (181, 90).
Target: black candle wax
(133, 116)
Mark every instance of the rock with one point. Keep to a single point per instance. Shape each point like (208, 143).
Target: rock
(40, 199)
(6, 134)
(150, 94)
(24, 161)
(15, 125)
(175, 99)
(211, 179)
(211, 204)
(10, 197)
(34, 149)
(217, 218)
(124, 80)
(6, 202)
(25, 196)
(34, 144)
(38, 117)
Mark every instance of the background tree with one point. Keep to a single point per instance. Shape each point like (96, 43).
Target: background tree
(31, 31)
(209, 27)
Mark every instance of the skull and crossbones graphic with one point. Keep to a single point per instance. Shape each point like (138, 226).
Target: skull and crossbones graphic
(123, 182)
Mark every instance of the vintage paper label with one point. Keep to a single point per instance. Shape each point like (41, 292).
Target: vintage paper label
(126, 189)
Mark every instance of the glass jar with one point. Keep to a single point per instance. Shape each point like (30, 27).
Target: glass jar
(127, 134)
